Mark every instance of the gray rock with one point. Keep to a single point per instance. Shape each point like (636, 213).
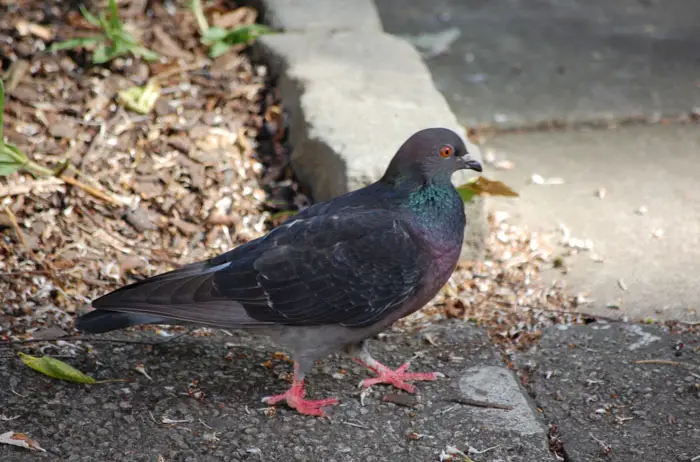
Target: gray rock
(298, 15)
(496, 384)
(354, 99)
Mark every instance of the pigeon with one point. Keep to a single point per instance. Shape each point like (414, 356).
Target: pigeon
(327, 279)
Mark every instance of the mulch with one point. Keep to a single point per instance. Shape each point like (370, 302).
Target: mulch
(203, 172)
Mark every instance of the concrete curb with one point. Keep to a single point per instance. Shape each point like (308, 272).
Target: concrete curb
(355, 94)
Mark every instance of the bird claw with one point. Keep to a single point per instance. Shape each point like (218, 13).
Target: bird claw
(398, 377)
(294, 397)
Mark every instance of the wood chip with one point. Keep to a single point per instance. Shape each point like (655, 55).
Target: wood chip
(63, 130)
(400, 400)
(184, 227)
(167, 46)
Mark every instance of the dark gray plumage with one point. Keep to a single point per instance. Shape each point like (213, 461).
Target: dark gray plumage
(330, 277)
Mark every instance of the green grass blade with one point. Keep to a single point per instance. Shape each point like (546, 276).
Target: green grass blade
(101, 54)
(213, 35)
(244, 34)
(11, 159)
(89, 17)
(8, 169)
(218, 49)
(144, 53)
(114, 20)
(81, 42)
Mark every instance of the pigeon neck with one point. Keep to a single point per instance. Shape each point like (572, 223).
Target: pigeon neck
(436, 204)
(431, 197)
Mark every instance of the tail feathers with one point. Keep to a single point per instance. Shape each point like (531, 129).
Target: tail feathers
(100, 321)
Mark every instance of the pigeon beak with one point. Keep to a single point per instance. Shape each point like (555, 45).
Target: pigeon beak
(471, 164)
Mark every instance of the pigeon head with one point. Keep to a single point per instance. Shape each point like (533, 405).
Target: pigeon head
(430, 156)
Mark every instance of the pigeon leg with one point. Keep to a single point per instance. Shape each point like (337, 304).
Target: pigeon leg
(397, 378)
(294, 397)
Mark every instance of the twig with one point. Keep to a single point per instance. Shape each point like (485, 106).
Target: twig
(176, 70)
(50, 270)
(353, 424)
(483, 451)
(91, 191)
(76, 338)
(484, 404)
(24, 273)
(17, 229)
(199, 16)
(695, 458)
(666, 362)
(40, 170)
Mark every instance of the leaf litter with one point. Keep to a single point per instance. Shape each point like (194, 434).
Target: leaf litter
(188, 149)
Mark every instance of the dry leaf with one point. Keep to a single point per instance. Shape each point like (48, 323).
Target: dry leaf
(20, 440)
(240, 16)
(484, 186)
(25, 28)
(141, 99)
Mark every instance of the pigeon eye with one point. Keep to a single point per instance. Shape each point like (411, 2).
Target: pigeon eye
(446, 150)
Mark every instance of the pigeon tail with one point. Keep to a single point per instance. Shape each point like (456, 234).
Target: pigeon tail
(101, 321)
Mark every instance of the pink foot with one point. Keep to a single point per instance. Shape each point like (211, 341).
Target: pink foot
(397, 377)
(294, 397)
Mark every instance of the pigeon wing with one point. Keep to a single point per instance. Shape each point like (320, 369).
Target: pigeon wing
(351, 269)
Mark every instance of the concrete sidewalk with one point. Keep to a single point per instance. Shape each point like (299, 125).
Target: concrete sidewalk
(515, 64)
(618, 391)
(645, 228)
(159, 416)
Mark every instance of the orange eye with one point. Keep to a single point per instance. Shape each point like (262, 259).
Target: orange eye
(446, 150)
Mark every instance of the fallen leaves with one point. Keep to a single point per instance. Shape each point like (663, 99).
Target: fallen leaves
(452, 454)
(140, 99)
(20, 440)
(220, 38)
